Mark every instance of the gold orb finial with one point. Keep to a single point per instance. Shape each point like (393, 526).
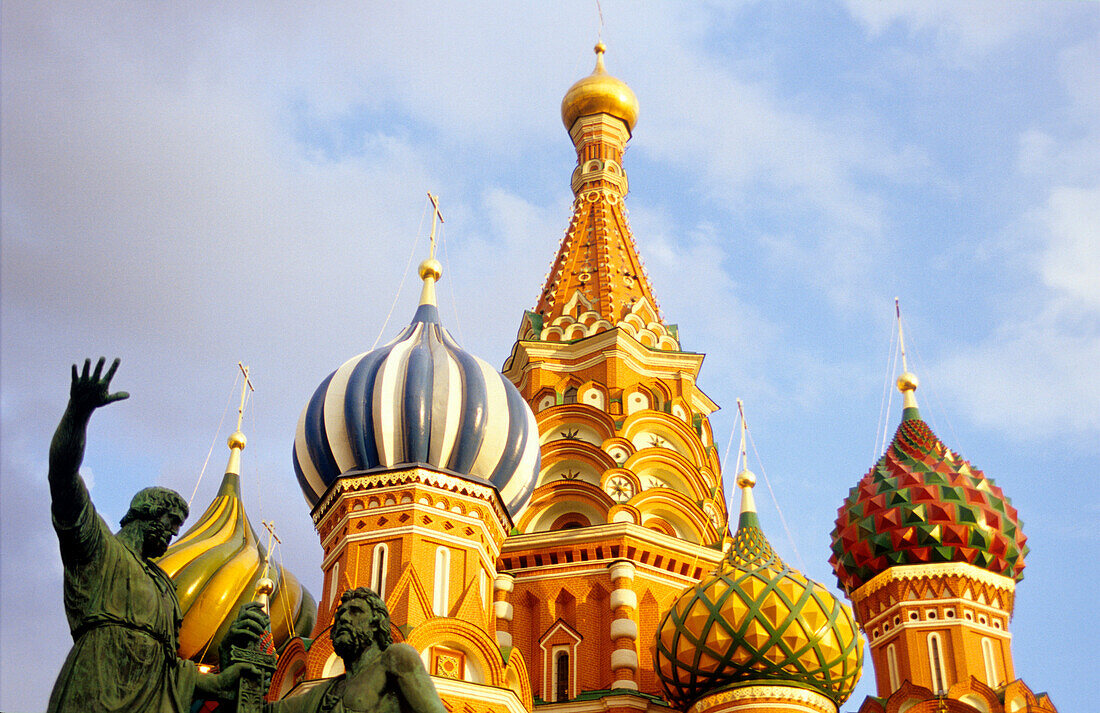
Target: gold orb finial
(746, 479)
(599, 93)
(265, 586)
(908, 382)
(237, 440)
(431, 268)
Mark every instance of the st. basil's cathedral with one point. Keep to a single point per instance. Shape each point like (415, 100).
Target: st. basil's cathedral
(555, 535)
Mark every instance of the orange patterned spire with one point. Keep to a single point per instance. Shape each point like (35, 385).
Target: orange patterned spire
(597, 277)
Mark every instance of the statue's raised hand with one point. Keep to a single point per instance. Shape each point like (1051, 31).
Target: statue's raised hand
(90, 390)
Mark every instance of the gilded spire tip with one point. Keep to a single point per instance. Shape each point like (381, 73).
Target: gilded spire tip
(237, 441)
(907, 382)
(746, 479)
(431, 269)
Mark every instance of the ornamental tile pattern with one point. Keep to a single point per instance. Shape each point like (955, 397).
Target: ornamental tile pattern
(920, 504)
(756, 619)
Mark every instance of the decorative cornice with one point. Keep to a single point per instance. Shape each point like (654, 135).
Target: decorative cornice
(931, 571)
(613, 700)
(760, 693)
(505, 697)
(600, 533)
(416, 475)
(615, 342)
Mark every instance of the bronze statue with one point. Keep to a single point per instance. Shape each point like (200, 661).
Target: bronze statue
(380, 676)
(122, 608)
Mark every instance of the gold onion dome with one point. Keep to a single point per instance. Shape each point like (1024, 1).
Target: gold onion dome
(599, 93)
(218, 565)
(754, 621)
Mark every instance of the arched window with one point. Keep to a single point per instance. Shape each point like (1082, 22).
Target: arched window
(561, 676)
(441, 598)
(379, 566)
(892, 667)
(935, 659)
(334, 583)
(990, 663)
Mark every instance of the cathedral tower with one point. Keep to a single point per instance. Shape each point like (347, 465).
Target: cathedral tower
(629, 506)
(415, 458)
(930, 551)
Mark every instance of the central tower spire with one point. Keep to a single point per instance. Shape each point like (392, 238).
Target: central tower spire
(597, 279)
(629, 505)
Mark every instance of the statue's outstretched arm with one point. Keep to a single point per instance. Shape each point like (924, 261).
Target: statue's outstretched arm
(88, 392)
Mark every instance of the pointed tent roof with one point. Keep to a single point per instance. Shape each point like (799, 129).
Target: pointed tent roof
(597, 276)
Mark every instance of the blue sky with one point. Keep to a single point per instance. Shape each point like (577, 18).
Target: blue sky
(189, 185)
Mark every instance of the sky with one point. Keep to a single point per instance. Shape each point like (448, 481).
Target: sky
(189, 185)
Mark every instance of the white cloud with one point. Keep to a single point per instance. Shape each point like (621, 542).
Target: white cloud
(1034, 374)
(1034, 378)
(959, 28)
(1070, 263)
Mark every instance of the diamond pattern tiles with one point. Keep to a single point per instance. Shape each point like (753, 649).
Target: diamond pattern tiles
(921, 503)
(756, 619)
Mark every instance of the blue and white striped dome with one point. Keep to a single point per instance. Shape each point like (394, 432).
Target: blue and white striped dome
(419, 400)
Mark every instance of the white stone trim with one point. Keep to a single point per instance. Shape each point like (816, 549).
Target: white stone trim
(628, 684)
(626, 699)
(788, 697)
(504, 582)
(624, 627)
(503, 610)
(931, 571)
(504, 638)
(506, 697)
(622, 568)
(624, 658)
(460, 543)
(623, 597)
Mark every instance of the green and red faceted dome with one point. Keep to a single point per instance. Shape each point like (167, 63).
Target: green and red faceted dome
(920, 504)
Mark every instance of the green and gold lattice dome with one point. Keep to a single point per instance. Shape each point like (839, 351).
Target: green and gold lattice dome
(756, 620)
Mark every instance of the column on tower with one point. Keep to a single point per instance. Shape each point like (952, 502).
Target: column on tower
(502, 608)
(624, 626)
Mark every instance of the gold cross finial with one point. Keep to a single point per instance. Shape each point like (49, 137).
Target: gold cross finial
(237, 440)
(907, 382)
(245, 388)
(746, 480)
(744, 427)
(430, 270)
(435, 215)
(901, 335)
(270, 527)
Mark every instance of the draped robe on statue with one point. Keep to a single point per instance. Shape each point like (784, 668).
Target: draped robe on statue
(124, 617)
